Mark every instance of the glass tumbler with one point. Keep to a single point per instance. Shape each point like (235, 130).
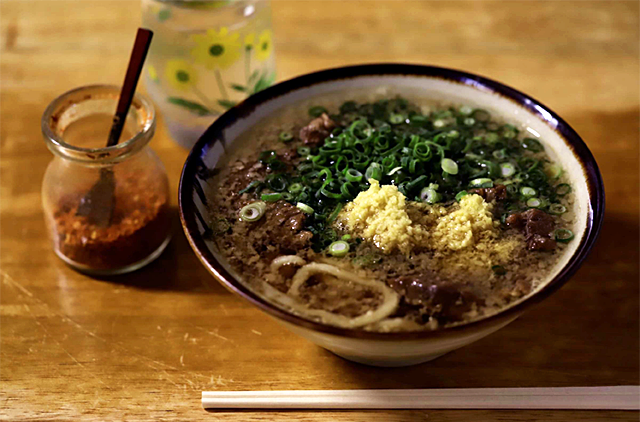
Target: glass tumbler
(205, 57)
(133, 180)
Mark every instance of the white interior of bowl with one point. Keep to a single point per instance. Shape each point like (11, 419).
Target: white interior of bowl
(436, 89)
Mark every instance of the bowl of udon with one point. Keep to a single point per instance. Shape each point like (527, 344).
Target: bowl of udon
(391, 213)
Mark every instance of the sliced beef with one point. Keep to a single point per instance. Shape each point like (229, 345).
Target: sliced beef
(317, 130)
(516, 221)
(282, 226)
(288, 156)
(537, 226)
(497, 193)
(541, 243)
(446, 302)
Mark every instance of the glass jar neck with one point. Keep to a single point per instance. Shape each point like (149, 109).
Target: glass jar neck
(87, 101)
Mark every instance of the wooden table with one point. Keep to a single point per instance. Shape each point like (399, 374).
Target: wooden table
(143, 346)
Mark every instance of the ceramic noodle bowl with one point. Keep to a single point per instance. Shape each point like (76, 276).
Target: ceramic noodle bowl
(561, 142)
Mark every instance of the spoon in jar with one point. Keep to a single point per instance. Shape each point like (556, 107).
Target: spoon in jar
(97, 205)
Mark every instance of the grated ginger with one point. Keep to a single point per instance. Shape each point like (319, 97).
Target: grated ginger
(462, 228)
(379, 215)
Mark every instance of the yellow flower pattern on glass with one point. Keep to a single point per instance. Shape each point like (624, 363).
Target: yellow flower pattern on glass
(180, 74)
(249, 41)
(264, 47)
(216, 49)
(153, 74)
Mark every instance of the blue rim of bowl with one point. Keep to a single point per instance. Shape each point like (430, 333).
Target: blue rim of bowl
(194, 166)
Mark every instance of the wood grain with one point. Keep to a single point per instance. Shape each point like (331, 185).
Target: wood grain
(143, 346)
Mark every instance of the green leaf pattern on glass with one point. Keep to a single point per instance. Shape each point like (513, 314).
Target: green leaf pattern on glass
(191, 106)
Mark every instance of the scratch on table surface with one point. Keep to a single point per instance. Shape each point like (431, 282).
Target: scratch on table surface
(167, 377)
(224, 309)
(219, 381)
(256, 332)
(147, 361)
(182, 360)
(186, 336)
(6, 278)
(214, 333)
(73, 358)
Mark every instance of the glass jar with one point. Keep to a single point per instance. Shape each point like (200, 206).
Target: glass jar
(76, 127)
(206, 56)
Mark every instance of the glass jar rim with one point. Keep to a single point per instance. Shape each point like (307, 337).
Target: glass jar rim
(192, 3)
(102, 155)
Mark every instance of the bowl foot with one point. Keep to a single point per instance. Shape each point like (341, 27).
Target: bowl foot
(390, 363)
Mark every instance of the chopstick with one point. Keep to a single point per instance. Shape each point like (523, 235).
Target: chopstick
(598, 398)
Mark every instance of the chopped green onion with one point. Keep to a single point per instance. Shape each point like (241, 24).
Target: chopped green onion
(254, 184)
(346, 237)
(277, 182)
(396, 119)
(353, 175)
(334, 214)
(499, 270)
(418, 120)
(492, 138)
(507, 169)
(317, 111)
(557, 209)
(349, 190)
(482, 182)
(305, 208)
(267, 157)
(509, 131)
(285, 136)
(429, 195)
(295, 187)
(390, 142)
(449, 166)
(276, 165)
(563, 189)
(374, 172)
(493, 169)
(339, 248)
(304, 151)
(481, 115)
(528, 192)
(499, 154)
(534, 203)
(460, 194)
(422, 151)
(532, 145)
(563, 235)
(332, 195)
(253, 211)
(394, 170)
(553, 171)
(271, 197)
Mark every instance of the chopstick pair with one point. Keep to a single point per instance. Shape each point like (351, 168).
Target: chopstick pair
(586, 398)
